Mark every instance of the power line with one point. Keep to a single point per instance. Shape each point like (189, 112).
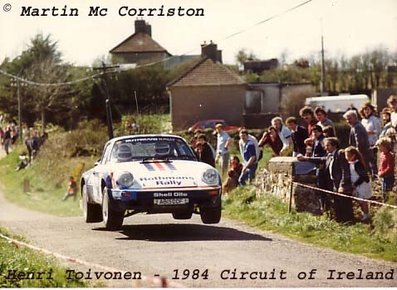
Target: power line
(122, 68)
(269, 18)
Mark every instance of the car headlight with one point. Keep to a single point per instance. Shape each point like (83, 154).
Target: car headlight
(210, 177)
(125, 180)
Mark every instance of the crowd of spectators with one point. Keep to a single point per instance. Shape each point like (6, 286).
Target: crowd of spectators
(312, 138)
(10, 133)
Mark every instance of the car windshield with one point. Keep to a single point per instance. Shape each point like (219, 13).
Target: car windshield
(149, 148)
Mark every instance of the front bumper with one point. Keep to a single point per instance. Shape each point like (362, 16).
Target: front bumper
(166, 200)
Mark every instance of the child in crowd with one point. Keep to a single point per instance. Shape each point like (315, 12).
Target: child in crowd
(23, 161)
(72, 189)
(386, 165)
(359, 178)
(235, 168)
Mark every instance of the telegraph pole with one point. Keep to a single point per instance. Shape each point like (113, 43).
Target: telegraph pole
(109, 117)
(322, 85)
(15, 81)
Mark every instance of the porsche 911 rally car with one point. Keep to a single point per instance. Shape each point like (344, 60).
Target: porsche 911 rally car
(150, 174)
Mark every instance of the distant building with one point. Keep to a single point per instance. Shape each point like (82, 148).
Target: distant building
(139, 48)
(207, 90)
(259, 66)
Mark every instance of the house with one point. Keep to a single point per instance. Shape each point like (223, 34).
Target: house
(265, 100)
(207, 90)
(259, 66)
(139, 48)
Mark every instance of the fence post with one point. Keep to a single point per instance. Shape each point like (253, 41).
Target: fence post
(290, 197)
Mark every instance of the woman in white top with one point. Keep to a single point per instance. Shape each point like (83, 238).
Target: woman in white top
(285, 135)
(373, 127)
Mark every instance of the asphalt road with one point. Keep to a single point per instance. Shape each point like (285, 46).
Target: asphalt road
(192, 254)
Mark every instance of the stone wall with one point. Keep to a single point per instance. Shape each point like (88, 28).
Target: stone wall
(278, 178)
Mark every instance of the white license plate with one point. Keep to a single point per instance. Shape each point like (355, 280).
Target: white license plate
(170, 201)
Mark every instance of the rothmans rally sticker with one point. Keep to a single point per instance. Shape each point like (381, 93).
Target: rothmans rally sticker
(163, 181)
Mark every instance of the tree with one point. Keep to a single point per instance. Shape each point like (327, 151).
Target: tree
(49, 97)
(242, 56)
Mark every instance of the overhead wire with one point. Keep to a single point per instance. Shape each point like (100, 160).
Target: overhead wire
(127, 68)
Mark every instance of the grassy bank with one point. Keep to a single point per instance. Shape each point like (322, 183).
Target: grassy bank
(269, 213)
(19, 259)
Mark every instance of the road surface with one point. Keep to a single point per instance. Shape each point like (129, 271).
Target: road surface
(228, 254)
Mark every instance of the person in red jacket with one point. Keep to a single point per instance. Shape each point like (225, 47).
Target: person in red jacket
(386, 165)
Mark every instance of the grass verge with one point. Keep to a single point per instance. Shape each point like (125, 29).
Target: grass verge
(23, 260)
(269, 213)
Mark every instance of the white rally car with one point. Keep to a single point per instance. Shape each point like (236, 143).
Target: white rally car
(151, 174)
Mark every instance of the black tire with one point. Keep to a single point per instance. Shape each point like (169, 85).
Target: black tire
(210, 215)
(112, 219)
(92, 212)
(182, 215)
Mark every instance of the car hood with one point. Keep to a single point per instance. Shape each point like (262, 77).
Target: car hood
(163, 174)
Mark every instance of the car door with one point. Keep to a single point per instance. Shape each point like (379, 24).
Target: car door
(101, 170)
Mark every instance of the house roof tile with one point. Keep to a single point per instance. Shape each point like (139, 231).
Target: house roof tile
(207, 73)
(138, 42)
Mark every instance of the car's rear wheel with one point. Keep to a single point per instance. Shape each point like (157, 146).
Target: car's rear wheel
(92, 212)
(182, 215)
(112, 218)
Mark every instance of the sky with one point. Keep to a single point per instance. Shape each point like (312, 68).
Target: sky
(349, 27)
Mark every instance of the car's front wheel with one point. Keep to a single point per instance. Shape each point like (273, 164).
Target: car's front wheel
(211, 215)
(112, 218)
(92, 212)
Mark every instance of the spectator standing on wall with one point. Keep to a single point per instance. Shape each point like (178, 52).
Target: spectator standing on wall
(249, 157)
(358, 136)
(386, 165)
(373, 126)
(298, 136)
(307, 115)
(222, 148)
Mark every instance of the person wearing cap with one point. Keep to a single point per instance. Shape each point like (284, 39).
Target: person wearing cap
(358, 136)
(222, 148)
(373, 127)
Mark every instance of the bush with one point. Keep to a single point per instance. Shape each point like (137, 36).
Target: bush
(143, 124)
(385, 222)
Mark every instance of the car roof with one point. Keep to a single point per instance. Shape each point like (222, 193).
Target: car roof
(144, 136)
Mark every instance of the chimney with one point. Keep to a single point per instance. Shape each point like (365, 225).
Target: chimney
(211, 51)
(142, 27)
